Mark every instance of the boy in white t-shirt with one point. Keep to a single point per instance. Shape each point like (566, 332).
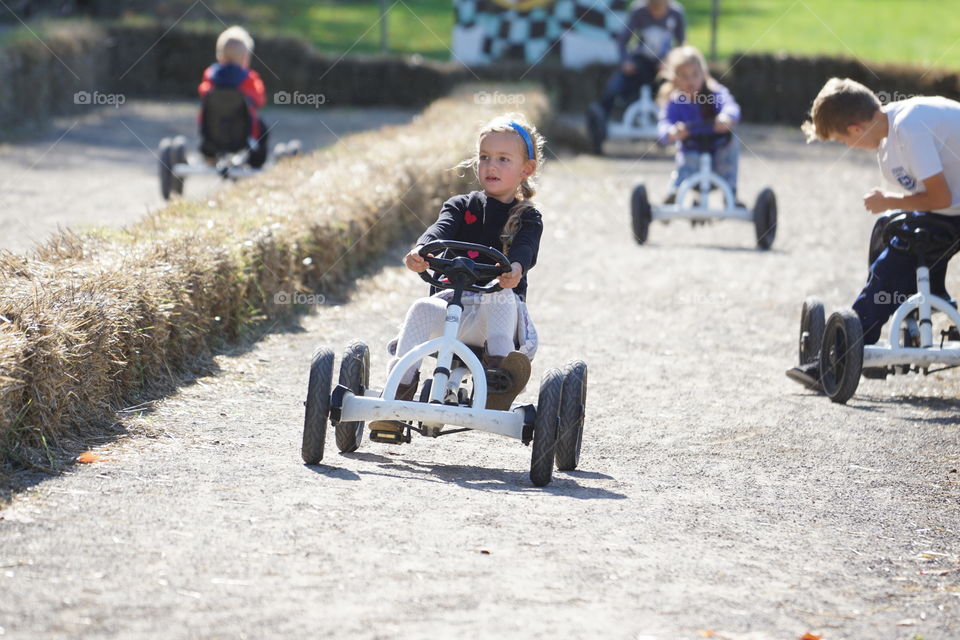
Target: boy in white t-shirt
(918, 147)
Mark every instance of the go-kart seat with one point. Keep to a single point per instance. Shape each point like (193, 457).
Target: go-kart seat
(926, 237)
(225, 122)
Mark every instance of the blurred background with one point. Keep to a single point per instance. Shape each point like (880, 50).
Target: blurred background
(925, 32)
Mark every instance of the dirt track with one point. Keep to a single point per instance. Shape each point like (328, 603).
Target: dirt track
(714, 499)
(101, 167)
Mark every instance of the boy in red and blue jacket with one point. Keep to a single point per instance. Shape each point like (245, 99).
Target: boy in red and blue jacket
(232, 71)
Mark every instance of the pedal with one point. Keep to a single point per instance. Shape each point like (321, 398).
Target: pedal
(874, 373)
(388, 431)
(952, 334)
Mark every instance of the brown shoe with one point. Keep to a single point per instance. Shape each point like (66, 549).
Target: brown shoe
(506, 378)
(405, 392)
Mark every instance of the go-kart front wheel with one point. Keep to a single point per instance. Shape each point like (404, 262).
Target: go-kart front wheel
(178, 155)
(573, 404)
(812, 320)
(166, 168)
(354, 375)
(841, 355)
(318, 406)
(545, 428)
(640, 214)
(765, 218)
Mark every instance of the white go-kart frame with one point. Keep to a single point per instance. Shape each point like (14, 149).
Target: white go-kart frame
(697, 188)
(175, 164)
(554, 426)
(838, 340)
(639, 122)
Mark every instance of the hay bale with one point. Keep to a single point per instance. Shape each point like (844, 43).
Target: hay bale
(89, 323)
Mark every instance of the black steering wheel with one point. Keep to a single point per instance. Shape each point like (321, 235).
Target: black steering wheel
(463, 272)
(923, 236)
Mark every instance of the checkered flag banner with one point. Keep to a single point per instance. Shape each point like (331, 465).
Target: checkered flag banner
(575, 31)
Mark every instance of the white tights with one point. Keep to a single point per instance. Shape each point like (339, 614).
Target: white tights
(489, 319)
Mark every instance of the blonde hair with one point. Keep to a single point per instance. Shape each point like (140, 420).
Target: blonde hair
(840, 103)
(527, 188)
(233, 45)
(681, 57)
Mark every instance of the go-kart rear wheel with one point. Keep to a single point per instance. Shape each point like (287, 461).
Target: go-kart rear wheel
(596, 128)
(841, 355)
(545, 428)
(318, 406)
(812, 320)
(166, 165)
(765, 218)
(354, 375)
(573, 404)
(178, 151)
(640, 213)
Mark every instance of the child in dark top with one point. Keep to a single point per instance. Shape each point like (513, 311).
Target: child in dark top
(695, 103)
(232, 70)
(656, 25)
(502, 215)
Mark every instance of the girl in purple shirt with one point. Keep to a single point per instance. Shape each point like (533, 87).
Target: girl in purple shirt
(694, 103)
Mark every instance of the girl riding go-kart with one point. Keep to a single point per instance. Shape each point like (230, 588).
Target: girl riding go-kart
(476, 325)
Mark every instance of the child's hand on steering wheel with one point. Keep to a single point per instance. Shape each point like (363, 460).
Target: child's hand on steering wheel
(414, 262)
(512, 279)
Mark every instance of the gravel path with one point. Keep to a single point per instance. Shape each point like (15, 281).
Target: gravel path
(101, 167)
(715, 498)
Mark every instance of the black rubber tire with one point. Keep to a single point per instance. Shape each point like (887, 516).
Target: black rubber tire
(765, 218)
(178, 149)
(354, 375)
(640, 214)
(317, 406)
(545, 428)
(166, 162)
(812, 321)
(573, 404)
(596, 130)
(841, 355)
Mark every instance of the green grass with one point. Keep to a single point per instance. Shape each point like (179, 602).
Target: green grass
(924, 32)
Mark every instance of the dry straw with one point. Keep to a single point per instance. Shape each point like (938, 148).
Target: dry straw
(89, 322)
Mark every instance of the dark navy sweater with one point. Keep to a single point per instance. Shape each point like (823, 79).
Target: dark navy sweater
(473, 217)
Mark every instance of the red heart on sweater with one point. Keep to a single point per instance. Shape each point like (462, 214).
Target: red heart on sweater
(473, 255)
(469, 217)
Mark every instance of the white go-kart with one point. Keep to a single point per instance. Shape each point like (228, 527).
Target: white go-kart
(457, 393)
(176, 164)
(693, 203)
(638, 122)
(838, 340)
(225, 126)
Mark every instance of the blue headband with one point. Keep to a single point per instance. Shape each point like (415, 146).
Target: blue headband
(526, 138)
